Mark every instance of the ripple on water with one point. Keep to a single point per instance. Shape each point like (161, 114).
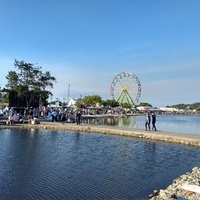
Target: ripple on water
(66, 165)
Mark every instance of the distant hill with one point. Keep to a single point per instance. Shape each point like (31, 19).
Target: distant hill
(194, 106)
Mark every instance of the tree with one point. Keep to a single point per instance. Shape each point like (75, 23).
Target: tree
(4, 96)
(126, 105)
(145, 104)
(91, 100)
(80, 103)
(194, 106)
(110, 103)
(30, 82)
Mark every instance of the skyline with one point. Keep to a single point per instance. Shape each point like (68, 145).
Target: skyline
(87, 43)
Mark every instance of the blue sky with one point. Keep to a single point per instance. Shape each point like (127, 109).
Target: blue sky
(86, 43)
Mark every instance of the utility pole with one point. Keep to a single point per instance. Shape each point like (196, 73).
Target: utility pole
(1, 98)
(68, 93)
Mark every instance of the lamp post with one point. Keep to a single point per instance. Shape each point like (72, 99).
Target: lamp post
(1, 98)
(63, 103)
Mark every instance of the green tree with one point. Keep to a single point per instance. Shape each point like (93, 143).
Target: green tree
(110, 103)
(198, 108)
(80, 103)
(145, 104)
(194, 106)
(30, 82)
(126, 105)
(4, 96)
(91, 100)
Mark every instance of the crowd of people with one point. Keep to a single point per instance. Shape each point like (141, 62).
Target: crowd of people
(34, 115)
(55, 114)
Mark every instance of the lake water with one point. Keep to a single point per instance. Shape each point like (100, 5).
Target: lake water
(49, 165)
(189, 124)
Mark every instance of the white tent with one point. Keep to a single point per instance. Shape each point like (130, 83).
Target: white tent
(71, 103)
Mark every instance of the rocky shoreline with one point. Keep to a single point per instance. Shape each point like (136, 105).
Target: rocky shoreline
(175, 190)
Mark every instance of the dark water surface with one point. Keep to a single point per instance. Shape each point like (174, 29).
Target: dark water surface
(46, 164)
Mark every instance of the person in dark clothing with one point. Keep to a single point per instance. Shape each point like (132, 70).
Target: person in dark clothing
(78, 118)
(148, 121)
(54, 116)
(153, 121)
(63, 117)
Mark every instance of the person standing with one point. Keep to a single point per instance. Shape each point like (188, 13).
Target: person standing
(154, 121)
(78, 118)
(148, 121)
(54, 116)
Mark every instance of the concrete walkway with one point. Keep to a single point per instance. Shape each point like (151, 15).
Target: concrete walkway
(179, 138)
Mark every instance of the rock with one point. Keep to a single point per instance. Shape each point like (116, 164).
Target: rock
(195, 169)
(155, 192)
(150, 196)
(173, 190)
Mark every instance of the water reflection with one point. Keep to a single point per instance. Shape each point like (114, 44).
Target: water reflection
(189, 124)
(112, 121)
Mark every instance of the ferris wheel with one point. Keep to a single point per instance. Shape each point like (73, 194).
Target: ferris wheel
(125, 88)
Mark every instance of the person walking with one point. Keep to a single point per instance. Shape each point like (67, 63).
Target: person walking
(148, 121)
(153, 121)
